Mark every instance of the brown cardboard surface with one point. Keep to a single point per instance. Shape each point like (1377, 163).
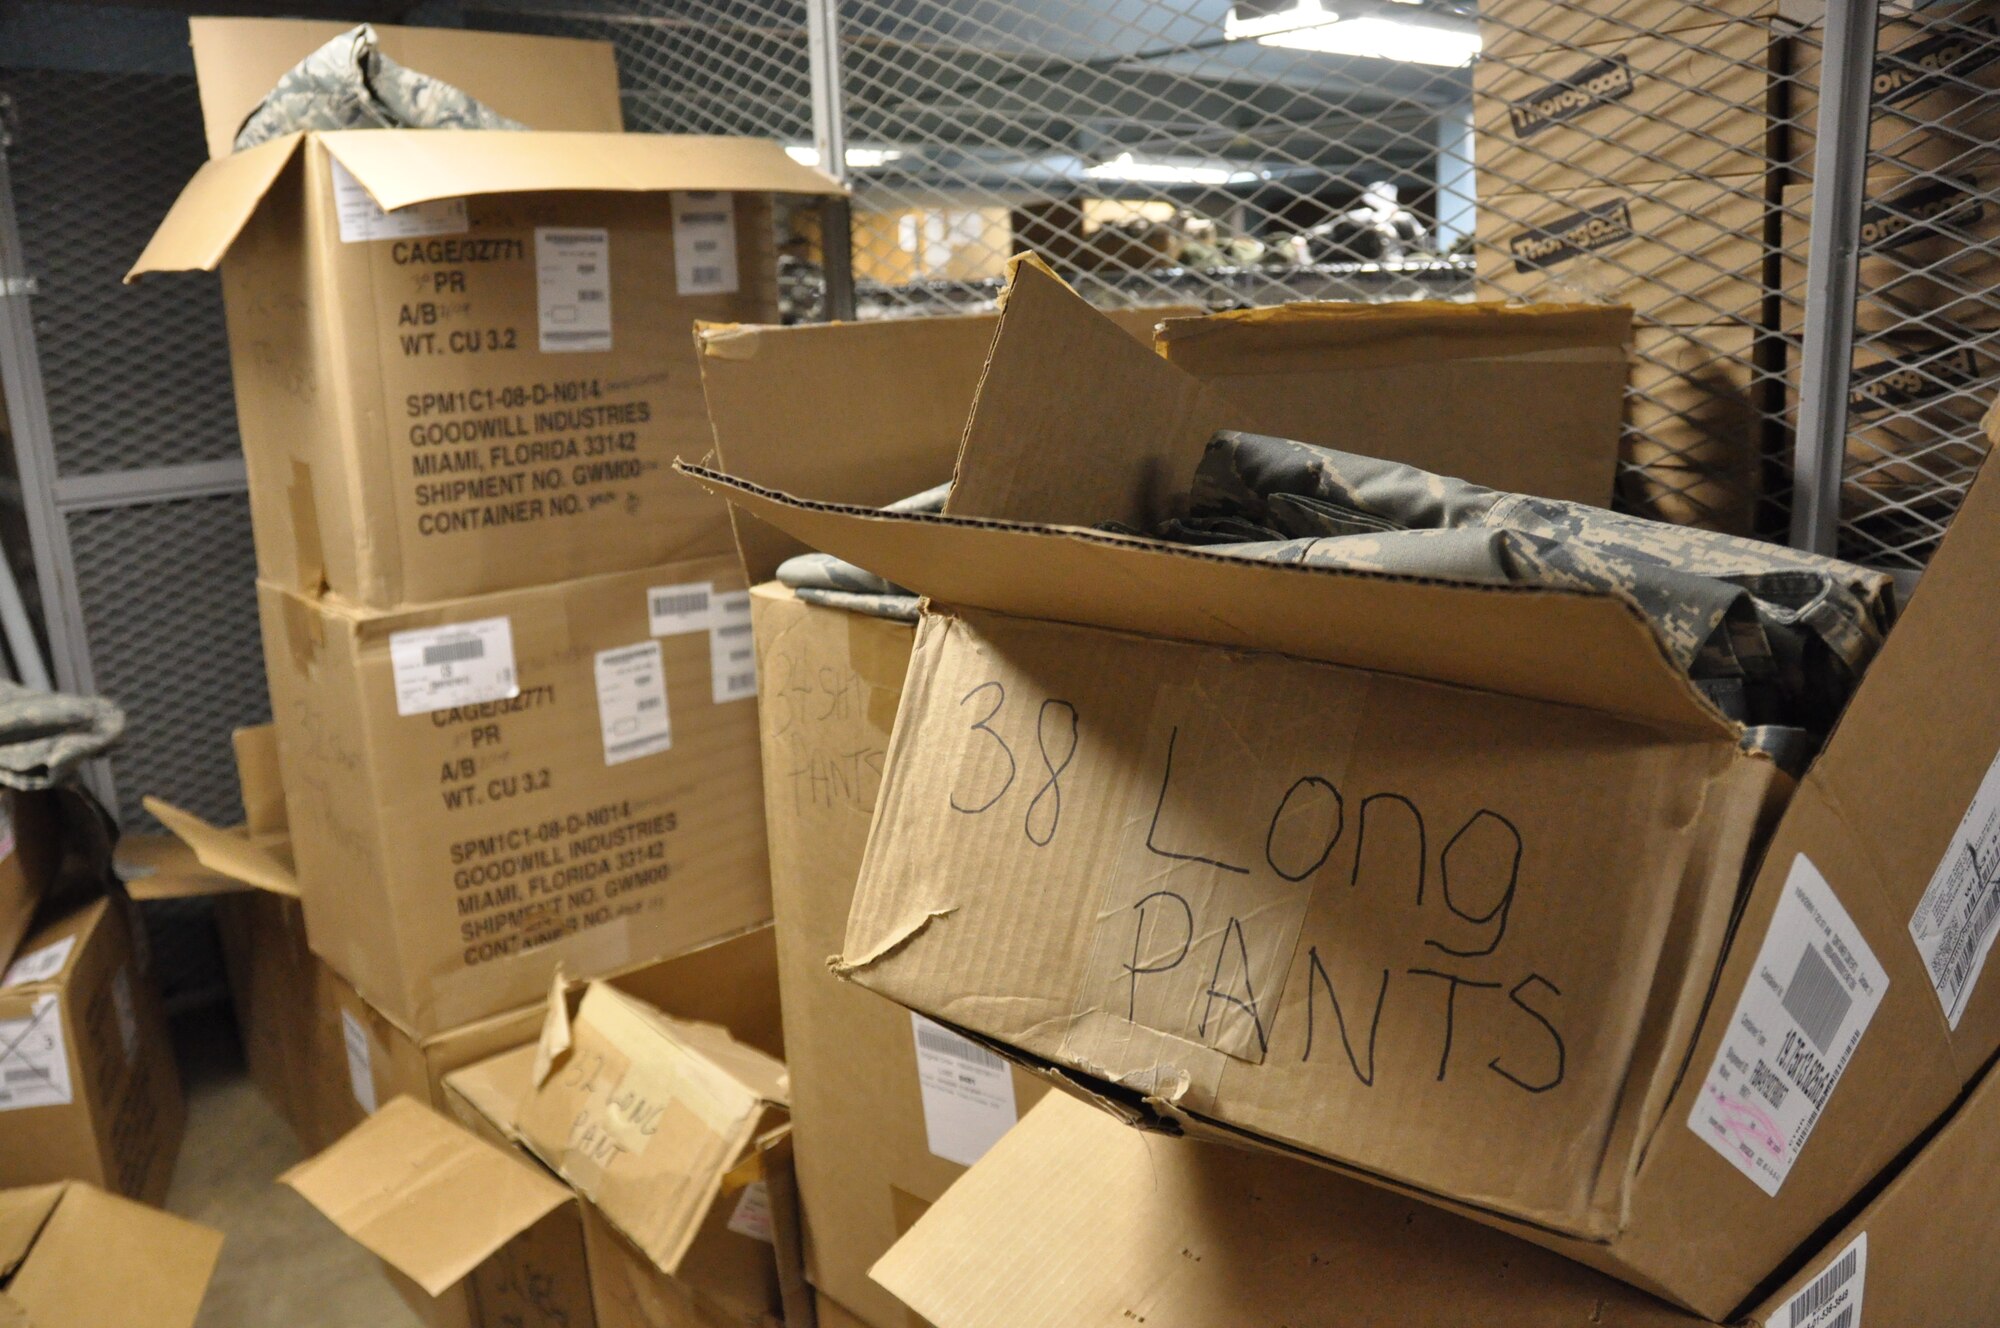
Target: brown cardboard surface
(544, 82)
(1510, 28)
(449, 860)
(413, 397)
(275, 984)
(91, 1258)
(229, 853)
(1663, 1208)
(1645, 107)
(1683, 251)
(860, 1129)
(29, 855)
(647, 1116)
(1932, 101)
(1182, 1234)
(88, 1053)
(1693, 426)
(1420, 379)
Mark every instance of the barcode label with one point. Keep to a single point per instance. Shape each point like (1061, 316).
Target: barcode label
(34, 1058)
(705, 243)
(968, 1093)
(732, 648)
(632, 702)
(362, 219)
(1833, 1299)
(675, 610)
(752, 1214)
(1958, 917)
(1816, 999)
(462, 664)
(1809, 999)
(573, 288)
(451, 652)
(39, 965)
(360, 1061)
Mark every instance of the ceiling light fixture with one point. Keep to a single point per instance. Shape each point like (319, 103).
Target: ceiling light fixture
(1128, 168)
(858, 159)
(1309, 25)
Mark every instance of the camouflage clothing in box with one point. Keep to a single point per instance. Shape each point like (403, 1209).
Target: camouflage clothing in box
(821, 578)
(349, 84)
(1771, 635)
(44, 736)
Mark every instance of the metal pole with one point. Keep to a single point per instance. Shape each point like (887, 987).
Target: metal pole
(836, 218)
(1826, 357)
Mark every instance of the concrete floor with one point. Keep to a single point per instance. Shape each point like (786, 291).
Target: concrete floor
(283, 1265)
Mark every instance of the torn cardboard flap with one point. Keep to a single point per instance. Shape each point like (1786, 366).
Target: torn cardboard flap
(646, 1115)
(423, 1194)
(232, 854)
(92, 1258)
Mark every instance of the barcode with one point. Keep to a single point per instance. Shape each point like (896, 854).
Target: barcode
(681, 605)
(659, 740)
(1817, 999)
(1823, 1289)
(589, 296)
(732, 629)
(28, 1076)
(571, 334)
(707, 274)
(451, 652)
(649, 703)
(1845, 1319)
(692, 219)
(1984, 914)
(950, 1044)
(740, 682)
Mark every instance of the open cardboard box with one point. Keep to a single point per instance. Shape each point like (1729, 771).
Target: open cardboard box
(462, 358)
(1548, 989)
(72, 1256)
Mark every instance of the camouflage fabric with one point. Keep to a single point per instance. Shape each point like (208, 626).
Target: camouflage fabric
(821, 578)
(1773, 636)
(349, 84)
(45, 735)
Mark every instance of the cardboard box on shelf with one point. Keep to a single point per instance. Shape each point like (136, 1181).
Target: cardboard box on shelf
(462, 360)
(1509, 28)
(29, 858)
(1694, 427)
(72, 1256)
(1934, 100)
(485, 788)
(1595, 984)
(1683, 251)
(1189, 1234)
(1644, 108)
(88, 1088)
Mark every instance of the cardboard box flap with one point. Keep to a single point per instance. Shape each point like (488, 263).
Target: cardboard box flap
(214, 208)
(258, 780)
(399, 167)
(23, 1212)
(495, 1086)
(544, 82)
(1285, 338)
(646, 1115)
(230, 853)
(100, 1257)
(1128, 1226)
(1590, 650)
(425, 1195)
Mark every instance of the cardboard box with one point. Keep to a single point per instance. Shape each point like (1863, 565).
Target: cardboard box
(1608, 1059)
(1694, 426)
(1933, 95)
(1187, 1235)
(30, 852)
(570, 778)
(1684, 252)
(72, 1256)
(1646, 107)
(1509, 28)
(1929, 253)
(88, 1088)
(462, 360)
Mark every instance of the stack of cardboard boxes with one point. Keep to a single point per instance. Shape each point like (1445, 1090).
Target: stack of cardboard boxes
(508, 650)
(1482, 906)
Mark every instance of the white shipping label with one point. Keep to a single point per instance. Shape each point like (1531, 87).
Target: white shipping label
(463, 664)
(360, 1061)
(362, 218)
(752, 1217)
(705, 243)
(968, 1093)
(632, 702)
(39, 965)
(1833, 1299)
(1810, 997)
(676, 610)
(34, 1059)
(573, 287)
(1959, 915)
(126, 1013)
(732, 650)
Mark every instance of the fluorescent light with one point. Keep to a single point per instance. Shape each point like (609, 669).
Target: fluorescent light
(1310, 26)
(858, 159)
(1383, 39)
(1125, 167)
